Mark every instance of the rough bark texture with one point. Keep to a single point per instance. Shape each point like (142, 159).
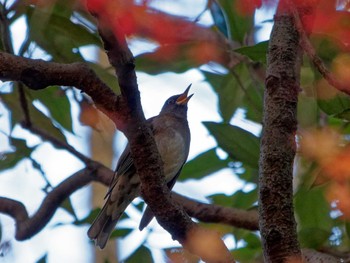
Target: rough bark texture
(276, 217)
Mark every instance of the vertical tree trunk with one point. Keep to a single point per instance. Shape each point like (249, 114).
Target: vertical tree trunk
(276, 216)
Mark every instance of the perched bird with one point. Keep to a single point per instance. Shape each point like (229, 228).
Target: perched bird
(172, 136)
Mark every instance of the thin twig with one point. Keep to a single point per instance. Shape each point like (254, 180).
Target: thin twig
(315, 59)
(57, 143)
(5, 30)
(24, 106)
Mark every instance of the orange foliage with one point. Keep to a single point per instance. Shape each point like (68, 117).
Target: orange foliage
(204, 52)
(320, 145)
(341, 67)
(208, 244)
(172, 33)
(130, 19)
(327, 149)
(324, 19)
(247, 7)
(341, 70)
(180, 255)
(89, 115)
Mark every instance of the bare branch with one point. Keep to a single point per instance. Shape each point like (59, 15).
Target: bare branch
(27, 226)
(211, 213)
(39, 74)
(5, 30)
(315, 59)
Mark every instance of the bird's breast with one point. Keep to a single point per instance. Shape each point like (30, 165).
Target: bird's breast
(172, 149)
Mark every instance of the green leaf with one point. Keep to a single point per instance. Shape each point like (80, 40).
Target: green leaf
(347, 229)
(38, 119)
(106, 76)
(338, 106)
(142, 254)
(12, 158)
(256, 53)
(313, 216)
(55, 33)
(332, 101)
(239, 199)
(229, 93)
(236, 89)
(247, 254)
(157, 62)
(203, 165)
(245, 200)
(253, 100)
(59, 23)
(56, 101)
(309, 105)
(312, 208)
(240, 144)
(253, 241)
(313, 237)
(240, 26)
(249, 174)
(221, 199)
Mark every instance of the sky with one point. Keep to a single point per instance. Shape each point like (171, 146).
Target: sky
(23, 182)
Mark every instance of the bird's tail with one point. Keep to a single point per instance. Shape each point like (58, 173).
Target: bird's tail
(104, 224)
(119, 197)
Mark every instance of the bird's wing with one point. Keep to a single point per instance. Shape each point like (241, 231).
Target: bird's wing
(125, 166)
(148, 214)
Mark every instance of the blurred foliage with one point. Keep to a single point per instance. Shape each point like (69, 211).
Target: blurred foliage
(58, 31)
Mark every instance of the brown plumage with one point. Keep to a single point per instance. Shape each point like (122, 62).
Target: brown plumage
(172, 136)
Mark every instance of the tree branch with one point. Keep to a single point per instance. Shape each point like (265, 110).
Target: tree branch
(39, 74)
(315, 59)
(146, 157)
(27, 226)
(276, 217)
(211, 213)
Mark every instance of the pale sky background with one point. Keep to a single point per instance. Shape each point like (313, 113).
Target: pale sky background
(69, 243)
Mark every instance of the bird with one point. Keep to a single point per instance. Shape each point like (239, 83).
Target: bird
(172, 136)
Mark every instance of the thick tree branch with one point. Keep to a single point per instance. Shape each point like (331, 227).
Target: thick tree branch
(211, 213)
(39, 74)
(27, 226)
(276, 217)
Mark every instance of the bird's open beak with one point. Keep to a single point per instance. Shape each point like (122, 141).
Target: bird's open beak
(183, 99)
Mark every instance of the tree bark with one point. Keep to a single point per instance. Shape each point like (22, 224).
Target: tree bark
(278, 146)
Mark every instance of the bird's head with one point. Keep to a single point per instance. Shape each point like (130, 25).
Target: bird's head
(177, 104)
